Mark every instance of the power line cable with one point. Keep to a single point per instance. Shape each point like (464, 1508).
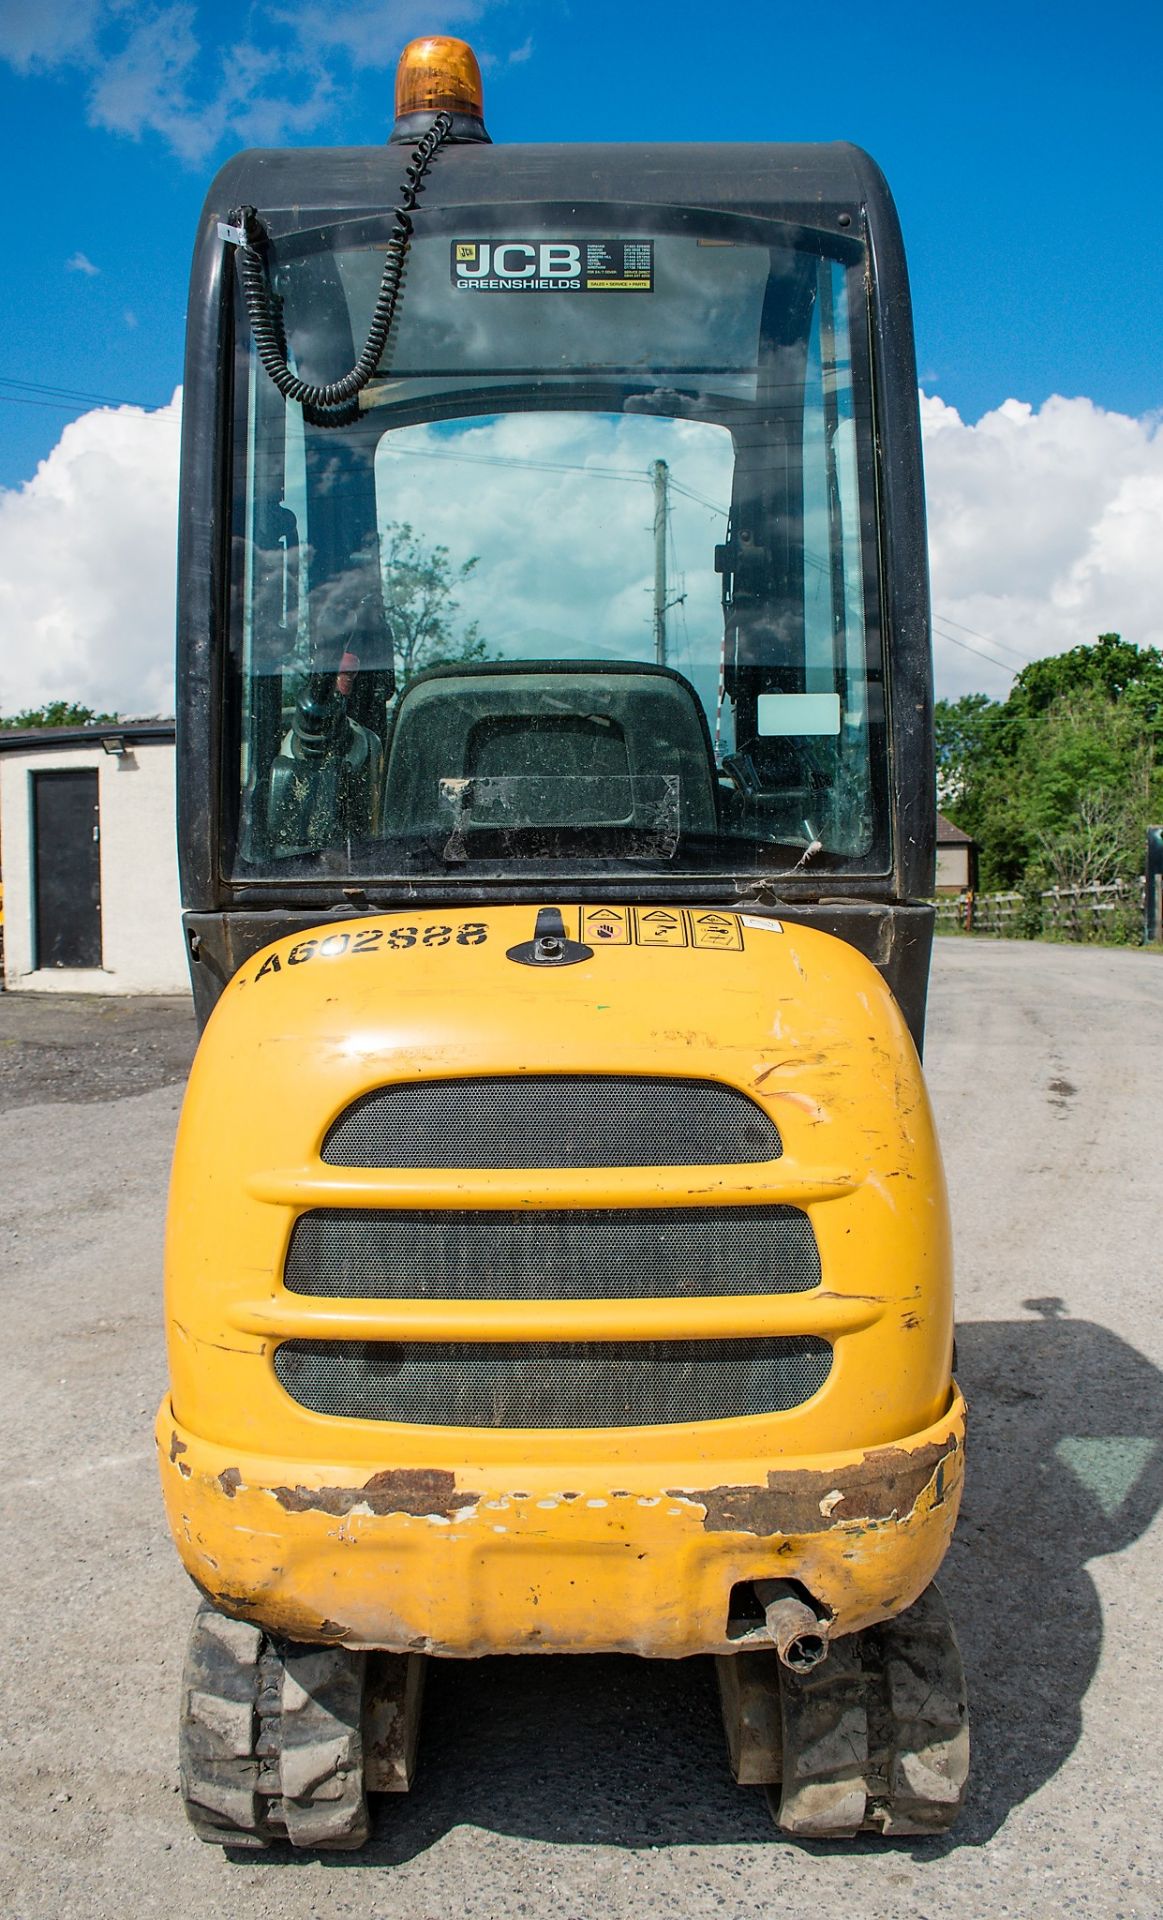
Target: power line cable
(1005, 645)
(1012, 672)
(688, 493)
(32, 393)
(528, 466)
(53, 406)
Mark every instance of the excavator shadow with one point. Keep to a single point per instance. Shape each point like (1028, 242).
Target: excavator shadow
(1066, 1466)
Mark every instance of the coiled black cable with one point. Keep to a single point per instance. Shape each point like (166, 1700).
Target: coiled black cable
(262, 305)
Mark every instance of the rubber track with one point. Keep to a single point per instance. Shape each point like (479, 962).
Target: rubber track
(876, 1738)
(270, 1740)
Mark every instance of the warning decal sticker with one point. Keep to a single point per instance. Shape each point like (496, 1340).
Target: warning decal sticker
(553, 266)
(720, 930)
(606, 926)
(661, 927)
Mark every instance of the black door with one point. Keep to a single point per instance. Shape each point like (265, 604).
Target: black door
(67, 863)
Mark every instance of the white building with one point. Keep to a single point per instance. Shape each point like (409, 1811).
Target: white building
(89, 861)
(956, 859)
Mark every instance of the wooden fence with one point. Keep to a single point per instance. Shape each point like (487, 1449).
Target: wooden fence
(1112, 914)
(1000, 913)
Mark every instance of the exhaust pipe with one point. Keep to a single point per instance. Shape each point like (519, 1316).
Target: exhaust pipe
(800, 1636)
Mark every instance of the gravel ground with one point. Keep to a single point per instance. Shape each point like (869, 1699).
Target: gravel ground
(557, 1787)
(75, 1047)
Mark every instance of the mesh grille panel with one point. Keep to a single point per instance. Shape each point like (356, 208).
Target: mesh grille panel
(611, 1253)
(550, 1384)
(553, 1121)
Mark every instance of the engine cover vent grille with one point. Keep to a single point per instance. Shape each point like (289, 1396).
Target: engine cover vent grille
(601, 1254)
(550, 1384)
(549, 1120)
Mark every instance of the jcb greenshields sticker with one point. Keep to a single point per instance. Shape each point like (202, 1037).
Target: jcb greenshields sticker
(553, 266)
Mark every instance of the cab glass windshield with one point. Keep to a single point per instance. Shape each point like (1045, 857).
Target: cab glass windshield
(587, 575)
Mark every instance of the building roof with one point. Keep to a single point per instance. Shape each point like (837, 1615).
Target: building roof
(52, 739)
(950, 836)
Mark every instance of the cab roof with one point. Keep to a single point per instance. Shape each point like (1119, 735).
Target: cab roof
(813, 185)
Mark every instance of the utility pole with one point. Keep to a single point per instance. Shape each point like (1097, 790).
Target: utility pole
(661, 473)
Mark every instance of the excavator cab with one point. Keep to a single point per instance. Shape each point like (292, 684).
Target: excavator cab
(557, 1254)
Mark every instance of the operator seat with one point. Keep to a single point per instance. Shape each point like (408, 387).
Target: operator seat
(571, 735)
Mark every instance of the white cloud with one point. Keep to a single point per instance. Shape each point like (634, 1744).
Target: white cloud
(143, 84)
(374, 33)
(1045, 529)
(583, 587)
(87, 567)
(81, 263)
(159, 81)
(522, 53)
(40, 34)
(163, 69)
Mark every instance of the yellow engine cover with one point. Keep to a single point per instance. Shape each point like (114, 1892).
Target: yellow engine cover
(464, 1540)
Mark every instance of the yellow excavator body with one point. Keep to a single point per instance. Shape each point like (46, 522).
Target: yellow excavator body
(303, 1504)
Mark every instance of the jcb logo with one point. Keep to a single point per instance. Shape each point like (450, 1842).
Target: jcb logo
(517, 260)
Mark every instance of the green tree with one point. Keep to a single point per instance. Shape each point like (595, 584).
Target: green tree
(1110, 666)
(976, 739)
(1087, 776)
(1059, 782)
(422, 596)
(966, 733)
(58, 713)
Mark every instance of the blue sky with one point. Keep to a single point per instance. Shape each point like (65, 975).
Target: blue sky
(1024, 145)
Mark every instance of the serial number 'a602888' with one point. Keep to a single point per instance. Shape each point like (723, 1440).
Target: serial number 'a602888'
(394, 939)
